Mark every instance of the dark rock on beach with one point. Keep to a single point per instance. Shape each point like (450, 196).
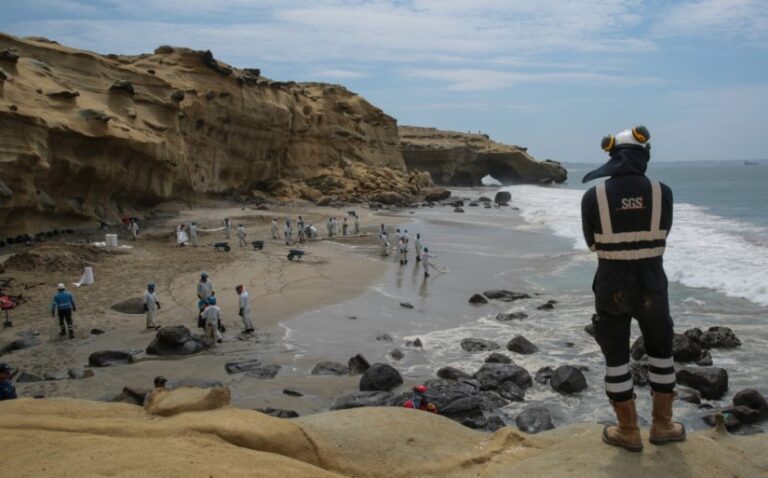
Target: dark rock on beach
(330, 368)
(406, 305)
(358, 364)
(683, 349)
(20, 344)
(510, 316)
(478, 299)
(502, 198)
(567, 379)
(718, 337)
(511, 392)
(496, 357)
(548, 305)
(521, 345)
(452, 373)
(534, 420)
(543, 375)
(505, 295)
(753, 399)
(380, 377)
(175, 340)
(264, 372)
(133, 306)
(278, 412)
(711, 382)
(28, 377)
(242, 366)
(363, 399)
(478, 345)
(107, 358)
(292, 393)
(492, 375)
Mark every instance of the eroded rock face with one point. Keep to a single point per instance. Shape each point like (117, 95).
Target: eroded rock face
(178, 123)
(462, 159)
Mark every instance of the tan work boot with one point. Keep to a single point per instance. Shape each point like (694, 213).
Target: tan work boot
(663, 429)
(626, 434)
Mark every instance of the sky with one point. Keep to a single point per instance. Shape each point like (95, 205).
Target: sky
(552, 75)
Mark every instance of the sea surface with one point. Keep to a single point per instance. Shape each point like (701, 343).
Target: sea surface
(716, 260)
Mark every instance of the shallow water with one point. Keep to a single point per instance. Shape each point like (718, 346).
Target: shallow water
(537, 250)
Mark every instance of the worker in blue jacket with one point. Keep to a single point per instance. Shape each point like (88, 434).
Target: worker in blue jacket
(64, 304)
(7, 391)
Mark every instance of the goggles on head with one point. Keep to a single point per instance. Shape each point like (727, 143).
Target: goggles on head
(639, 135)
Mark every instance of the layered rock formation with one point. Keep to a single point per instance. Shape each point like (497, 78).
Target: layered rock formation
(463, 159)
(89, 136)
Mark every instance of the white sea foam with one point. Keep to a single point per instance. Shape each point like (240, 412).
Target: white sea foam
(703, 249)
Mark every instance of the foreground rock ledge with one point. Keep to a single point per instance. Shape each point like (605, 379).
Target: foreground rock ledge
(115, 439)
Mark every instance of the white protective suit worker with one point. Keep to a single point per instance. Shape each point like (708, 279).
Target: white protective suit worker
(193, 233)
(241, 235)
(134, 228)
(419, 247)
(212, 317)
(273, 227)
(403, 247)
(227, 229)
(288, 232)
(151, 305)
(384, 243)
(425, 256)
(357, 225)
(245, 309)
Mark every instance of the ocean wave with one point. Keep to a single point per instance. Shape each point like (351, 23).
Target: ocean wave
(703, 249)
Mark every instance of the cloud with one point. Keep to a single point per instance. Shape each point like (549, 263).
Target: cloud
(466, 79)
(732, 18)
(338, 73)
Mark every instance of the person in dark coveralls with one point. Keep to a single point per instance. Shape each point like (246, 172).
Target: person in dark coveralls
(626, 220)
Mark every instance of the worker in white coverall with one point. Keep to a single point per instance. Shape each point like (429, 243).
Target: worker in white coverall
(418, 247)
(357, 225)
(274, 228)
(384, 243)
(403, 247)
(193, 233)
(288, 232)
(241, 235)
(227, 229)
(204, 287)
(134, 227)
(151, 305)
(212, 317)
(245, 309)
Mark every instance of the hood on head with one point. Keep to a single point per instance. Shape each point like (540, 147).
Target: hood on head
(625, 159)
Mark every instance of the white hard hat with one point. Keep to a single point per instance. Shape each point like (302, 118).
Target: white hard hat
(61, 286)
(639, 136)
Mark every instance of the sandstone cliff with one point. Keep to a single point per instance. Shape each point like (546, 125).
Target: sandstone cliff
(87, 136)
(463, 159)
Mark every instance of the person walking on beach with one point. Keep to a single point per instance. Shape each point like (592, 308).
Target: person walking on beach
(134, 228)
(288, 232)
(357, 225)
(245, 309)
(344, 227)
(204, 287)
(151, 305)
(227, 229)
(406, 238)
(273, 228)
(418, 247)
(241, 235)
(403, 247)
(63, 305)
(384, 243)
(425, 256)
(626, 220)
(7, 390)
(212, 318)
(193, 233)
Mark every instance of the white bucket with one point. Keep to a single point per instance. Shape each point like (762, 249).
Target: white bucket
(87, 277)
(111, 240)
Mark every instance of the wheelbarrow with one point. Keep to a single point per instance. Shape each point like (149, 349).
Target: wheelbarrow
(221, 246)
(257, 245)
(295, 253)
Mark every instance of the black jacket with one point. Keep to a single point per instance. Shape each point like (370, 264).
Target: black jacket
(629, 198)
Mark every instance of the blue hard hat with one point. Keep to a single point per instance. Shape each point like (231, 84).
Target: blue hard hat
(211, 300)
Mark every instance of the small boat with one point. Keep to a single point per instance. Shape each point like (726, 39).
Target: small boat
(751, 163)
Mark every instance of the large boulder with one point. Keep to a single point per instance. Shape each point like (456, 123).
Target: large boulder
(567, 379)
(492, 375)
(496, 357)
(711, 382)
(175, 340)
(363, 399)
(107, 358)
(19, 344)
(521, 345)
(510, 316)
(478, 345)
(134, 305)
(330, 368)
(436, 194)
(505, 295)
(511, 392)
(543, 375)
(380, 377)
(534, 420)
(264, 372)
(478, 299)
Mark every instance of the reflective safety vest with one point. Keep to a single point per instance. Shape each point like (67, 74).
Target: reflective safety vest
(633, 245)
